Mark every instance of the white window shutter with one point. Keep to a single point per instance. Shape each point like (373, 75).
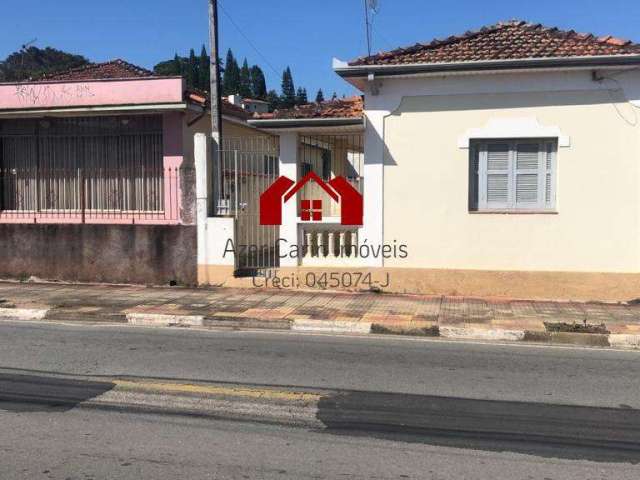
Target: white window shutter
(498, 160)
(549, 175)
(514, 175)
(527, 167)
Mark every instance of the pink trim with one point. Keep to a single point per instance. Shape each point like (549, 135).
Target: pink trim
(84, 94)
(8, 218)
(173, 151)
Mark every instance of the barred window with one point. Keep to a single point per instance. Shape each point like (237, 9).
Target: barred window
(90, 164)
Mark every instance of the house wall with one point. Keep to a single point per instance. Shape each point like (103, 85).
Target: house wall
(114, 248)
(137, 254)
(48, 94)
(426, 186)
(230, 130)
(416, 184)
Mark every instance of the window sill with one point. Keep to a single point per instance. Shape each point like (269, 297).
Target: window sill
(513, 212)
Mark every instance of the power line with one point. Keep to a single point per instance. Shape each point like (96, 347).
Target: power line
(248, 40)
(376, 31)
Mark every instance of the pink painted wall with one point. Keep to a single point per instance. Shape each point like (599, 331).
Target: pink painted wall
(173, 156)
(172, 138)
(90, 93)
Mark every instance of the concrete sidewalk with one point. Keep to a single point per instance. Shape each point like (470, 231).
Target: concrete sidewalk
(594, 324)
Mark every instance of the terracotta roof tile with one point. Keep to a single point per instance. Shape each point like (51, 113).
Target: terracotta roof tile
(227, 108)
(341, 108)
(234, 110)
(506, 40)
(101, 71)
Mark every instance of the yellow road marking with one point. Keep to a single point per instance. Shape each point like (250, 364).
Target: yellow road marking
(218, 390)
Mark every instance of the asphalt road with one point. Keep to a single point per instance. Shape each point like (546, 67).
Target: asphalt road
(554, 375)
(562, 412)
(81, 445)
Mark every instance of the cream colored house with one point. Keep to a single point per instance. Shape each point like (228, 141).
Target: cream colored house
(504, 162)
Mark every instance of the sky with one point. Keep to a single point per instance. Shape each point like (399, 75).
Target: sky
(302, 34)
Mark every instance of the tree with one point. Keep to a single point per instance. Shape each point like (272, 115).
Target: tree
(204, 70)
(258, 83)
(274, 100)
(192, 73)
(245, 80)
(172, 67)
(231, 77)
(334, 97)
(301, 96)
(177, 65)
(35, 62)
(320, 96)
(288, 96)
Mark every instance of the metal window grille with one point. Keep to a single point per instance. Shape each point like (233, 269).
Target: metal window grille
(85, 169)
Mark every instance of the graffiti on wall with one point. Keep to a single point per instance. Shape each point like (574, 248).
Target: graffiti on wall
(50, 94)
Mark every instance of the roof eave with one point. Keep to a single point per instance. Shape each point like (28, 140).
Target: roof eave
(92, 80)
(347, 71)
(93, 109)
(274, 123)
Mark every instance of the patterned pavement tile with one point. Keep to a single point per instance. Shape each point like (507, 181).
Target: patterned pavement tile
(395, 311)
(531, 324)
(598, 313)
(223, 313)
(502, 311)
(477, 311)
(428, 308)
(452, 311)
(267, 313)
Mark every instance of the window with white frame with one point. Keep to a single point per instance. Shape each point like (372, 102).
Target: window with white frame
(512, 175)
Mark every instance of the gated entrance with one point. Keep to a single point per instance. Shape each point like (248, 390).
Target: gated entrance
(248, 165)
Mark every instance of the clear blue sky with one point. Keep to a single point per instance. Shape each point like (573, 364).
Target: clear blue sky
(304, 34)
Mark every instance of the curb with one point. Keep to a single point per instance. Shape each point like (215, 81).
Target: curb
(236, 323)
(23, 313)
(331, 326)
(618, 341)
(624, 341)
(164, 320)
(479, 334)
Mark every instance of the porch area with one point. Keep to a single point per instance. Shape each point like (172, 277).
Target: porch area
(311, 232)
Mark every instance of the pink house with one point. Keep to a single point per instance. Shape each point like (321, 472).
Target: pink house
(97, 175)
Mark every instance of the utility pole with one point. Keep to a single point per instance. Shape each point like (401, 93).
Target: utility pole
(215, 94)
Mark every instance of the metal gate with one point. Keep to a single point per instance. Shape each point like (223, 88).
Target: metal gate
(248, 166)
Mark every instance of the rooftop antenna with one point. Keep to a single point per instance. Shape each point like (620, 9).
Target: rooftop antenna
(28, 44)
(370, 6)
(25, 47)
